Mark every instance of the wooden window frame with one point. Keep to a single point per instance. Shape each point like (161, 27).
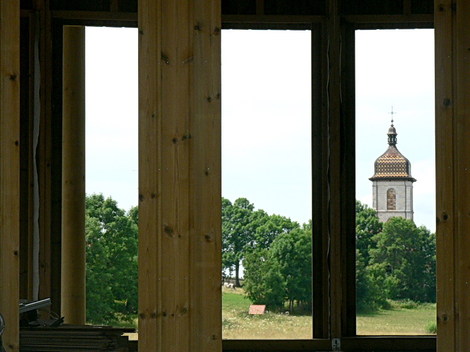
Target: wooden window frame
(333, 161)
(334, 246)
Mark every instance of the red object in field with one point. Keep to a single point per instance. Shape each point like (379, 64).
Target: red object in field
(257, 309)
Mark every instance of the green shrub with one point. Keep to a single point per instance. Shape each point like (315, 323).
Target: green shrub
(408, 304)
(431, 328)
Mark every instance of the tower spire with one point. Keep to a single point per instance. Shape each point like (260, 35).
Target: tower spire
(392, 132)
(392, 183)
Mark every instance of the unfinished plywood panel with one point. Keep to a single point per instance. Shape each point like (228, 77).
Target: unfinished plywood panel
(179, 182)
(453, 165)
(9, 169)
(73, 177)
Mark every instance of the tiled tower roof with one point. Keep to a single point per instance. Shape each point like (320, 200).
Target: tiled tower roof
(392, 164)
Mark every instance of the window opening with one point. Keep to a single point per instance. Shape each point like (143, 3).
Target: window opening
(111, 175)
(391, 199)
(395, 220)
(266, 184)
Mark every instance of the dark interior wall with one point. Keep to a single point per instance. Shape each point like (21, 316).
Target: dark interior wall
(262, 7)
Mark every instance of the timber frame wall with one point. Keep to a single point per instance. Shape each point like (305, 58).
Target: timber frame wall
(180, 161)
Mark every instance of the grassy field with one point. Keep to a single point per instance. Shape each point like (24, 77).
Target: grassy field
(238, 324)
(401, 319)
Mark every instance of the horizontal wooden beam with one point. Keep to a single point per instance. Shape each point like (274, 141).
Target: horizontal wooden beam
(228, 21)
(389, 343)
(359, 343)
(277, 345)
(271, 19)
(391, 20)
(95, 16)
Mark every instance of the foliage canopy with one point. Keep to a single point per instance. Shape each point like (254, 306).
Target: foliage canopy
(111, 252)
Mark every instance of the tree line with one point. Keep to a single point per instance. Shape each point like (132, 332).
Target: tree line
(275, 251)
(394, 260)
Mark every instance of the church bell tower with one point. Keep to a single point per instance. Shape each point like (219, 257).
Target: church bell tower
(392, 184)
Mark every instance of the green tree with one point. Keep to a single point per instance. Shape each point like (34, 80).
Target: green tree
(263, 281)
(292, 254)
(283, 272)
(369, 294)
(111, 249)
(269, 227)
(246, 230)
(404, 261)
(367, 226)
(238, 231)
(134, 214)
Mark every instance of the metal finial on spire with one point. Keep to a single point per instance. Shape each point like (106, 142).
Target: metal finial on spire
(392, 132)
(392, 113)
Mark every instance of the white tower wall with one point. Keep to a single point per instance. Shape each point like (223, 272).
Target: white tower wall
(403, 199)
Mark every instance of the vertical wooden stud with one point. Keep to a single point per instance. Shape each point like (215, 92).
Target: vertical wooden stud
(444, 176)
(320, 189)
(49, 260)
(179, 176)
(26, 161)
(348, 180)
(9, 170)
(341, 196)
(150, 223)
(205, 179)
(73, 177)
(453, 172)
(461, 144)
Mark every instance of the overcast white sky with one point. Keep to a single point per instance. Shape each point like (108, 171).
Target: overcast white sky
(266, 116)
(111, 114)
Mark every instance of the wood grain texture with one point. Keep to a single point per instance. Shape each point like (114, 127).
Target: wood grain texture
(179, 176)
(445, 177)
(336, 250)
(150, 201)
(44, 156)
(461, 125)
(73, 302)
(205, 176)
(9, 169)
(453, 172)
(348, 180)
(320, 190)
